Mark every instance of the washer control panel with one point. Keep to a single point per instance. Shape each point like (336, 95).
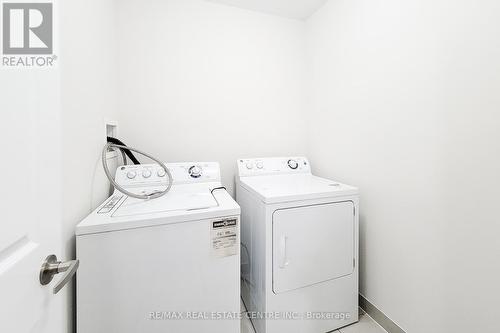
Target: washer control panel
(273, 165)
(154, 174)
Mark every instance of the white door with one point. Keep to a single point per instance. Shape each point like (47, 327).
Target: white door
(312, 244)
(30, 203)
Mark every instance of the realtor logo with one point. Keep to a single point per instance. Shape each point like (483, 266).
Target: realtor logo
(28, 34)
(27, 28)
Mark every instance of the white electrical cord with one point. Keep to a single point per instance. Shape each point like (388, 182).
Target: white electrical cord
(153, 195)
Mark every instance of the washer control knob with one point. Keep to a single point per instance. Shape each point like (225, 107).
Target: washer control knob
(260, 165)
(293, 164)
(249, 165)
(195, 171)
(161, 172)
(131, 174)
(146, 173)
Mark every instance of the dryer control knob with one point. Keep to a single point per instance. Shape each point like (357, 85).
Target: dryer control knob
(293, 164)
(161, 172)
(146, 173)
(195, 171)
(249, 165)
(260, 165)
(131, 174)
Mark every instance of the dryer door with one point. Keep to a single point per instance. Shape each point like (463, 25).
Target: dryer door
(312, 244)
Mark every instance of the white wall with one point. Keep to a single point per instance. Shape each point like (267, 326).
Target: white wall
(203, 81)
(88, 89)
(404, 103)
(88, 84)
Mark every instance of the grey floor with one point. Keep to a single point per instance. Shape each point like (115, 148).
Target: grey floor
(365, 325)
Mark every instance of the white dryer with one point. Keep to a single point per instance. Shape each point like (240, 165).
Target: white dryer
(169, 264)
(299, 252)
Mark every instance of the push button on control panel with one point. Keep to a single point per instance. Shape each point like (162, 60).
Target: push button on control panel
(131, 174)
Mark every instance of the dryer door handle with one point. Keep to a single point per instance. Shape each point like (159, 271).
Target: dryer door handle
(283, 256)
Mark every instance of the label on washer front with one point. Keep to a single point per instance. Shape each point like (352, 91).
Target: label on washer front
(110, 204)
(224, 237)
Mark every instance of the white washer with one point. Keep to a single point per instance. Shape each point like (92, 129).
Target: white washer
(299, 252)
(170, 264)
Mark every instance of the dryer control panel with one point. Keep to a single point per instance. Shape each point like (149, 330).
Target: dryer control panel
(273, 166)
(153, 174)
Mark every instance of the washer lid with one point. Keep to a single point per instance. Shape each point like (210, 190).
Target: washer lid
(179, 198)
(283, 188)
(184, 203)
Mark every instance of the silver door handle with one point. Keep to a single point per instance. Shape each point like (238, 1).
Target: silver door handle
(51, 266)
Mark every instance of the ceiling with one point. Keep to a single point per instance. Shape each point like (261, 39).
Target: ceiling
(296, 9)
